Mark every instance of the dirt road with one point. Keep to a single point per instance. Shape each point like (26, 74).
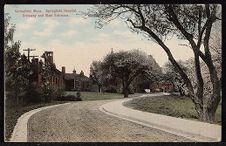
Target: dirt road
(83, 122)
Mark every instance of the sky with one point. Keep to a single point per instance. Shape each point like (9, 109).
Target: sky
(74, 39)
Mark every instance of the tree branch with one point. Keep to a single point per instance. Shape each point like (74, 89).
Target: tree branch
(134, 25)
(174, 19)
(141, 15)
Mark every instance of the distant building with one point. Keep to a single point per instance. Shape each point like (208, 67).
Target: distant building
(58, 79)
(54, 75)
(163, 87)
(76, 82)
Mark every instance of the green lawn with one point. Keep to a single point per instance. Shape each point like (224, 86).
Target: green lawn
(96, 95)
(169, 105)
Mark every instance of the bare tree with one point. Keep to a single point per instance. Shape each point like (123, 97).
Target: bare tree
(191, 22)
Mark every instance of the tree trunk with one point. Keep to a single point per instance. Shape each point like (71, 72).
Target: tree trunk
(207, 115)
(125, 87)
(99, 88)
(207, 112)
(199, 93)
(126, 92)
(172, 60)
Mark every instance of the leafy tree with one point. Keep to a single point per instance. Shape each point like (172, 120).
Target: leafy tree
(127, 65)
(190, 22)
(149, 77)
(171, 75)
(96, 74)
(17, 67)
(47, 89)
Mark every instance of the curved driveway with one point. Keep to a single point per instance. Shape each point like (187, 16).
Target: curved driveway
(84, 122)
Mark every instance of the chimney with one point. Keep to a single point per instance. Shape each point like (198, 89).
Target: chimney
(36, 61)
(63, 70)
(40, 65)
(48, 57)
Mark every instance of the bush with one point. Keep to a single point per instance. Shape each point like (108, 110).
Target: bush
(33, 95)
(59, 92)
(69, 98)
(111, 90)
(50, 92)
(78, 99)
(47, 92)
(78, 94)
(10, 99)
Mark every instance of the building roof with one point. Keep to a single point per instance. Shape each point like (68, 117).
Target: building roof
(71, 76)
(54, 70)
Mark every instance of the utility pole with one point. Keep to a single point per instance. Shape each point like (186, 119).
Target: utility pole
(28, 52)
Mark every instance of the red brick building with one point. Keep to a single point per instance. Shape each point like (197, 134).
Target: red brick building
(54, 75)
(165, 87)
(58, 79)
(76, 82)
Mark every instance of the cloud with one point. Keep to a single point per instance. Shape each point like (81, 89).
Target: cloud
(55, 42)
(116, 23)
(49, 25)
(77, 21)
(126, 34)
(68, 33)
(26, 25)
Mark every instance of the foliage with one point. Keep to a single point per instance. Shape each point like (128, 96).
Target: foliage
(47, 91)
(171, 75)
(192, 22)
(8, 31)
(17, 67)
(59, 92)
(69, 98)
(78, 94)
(32, 94)
(96, 74)
(126, 66)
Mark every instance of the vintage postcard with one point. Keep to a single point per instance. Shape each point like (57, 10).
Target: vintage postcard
(113, 72)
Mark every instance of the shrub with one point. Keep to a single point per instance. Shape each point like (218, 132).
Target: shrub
(111, 90)
(59, 92)
(78, 94)
(69, 98)
(34, 94)
(78, 99)
(47, 91)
